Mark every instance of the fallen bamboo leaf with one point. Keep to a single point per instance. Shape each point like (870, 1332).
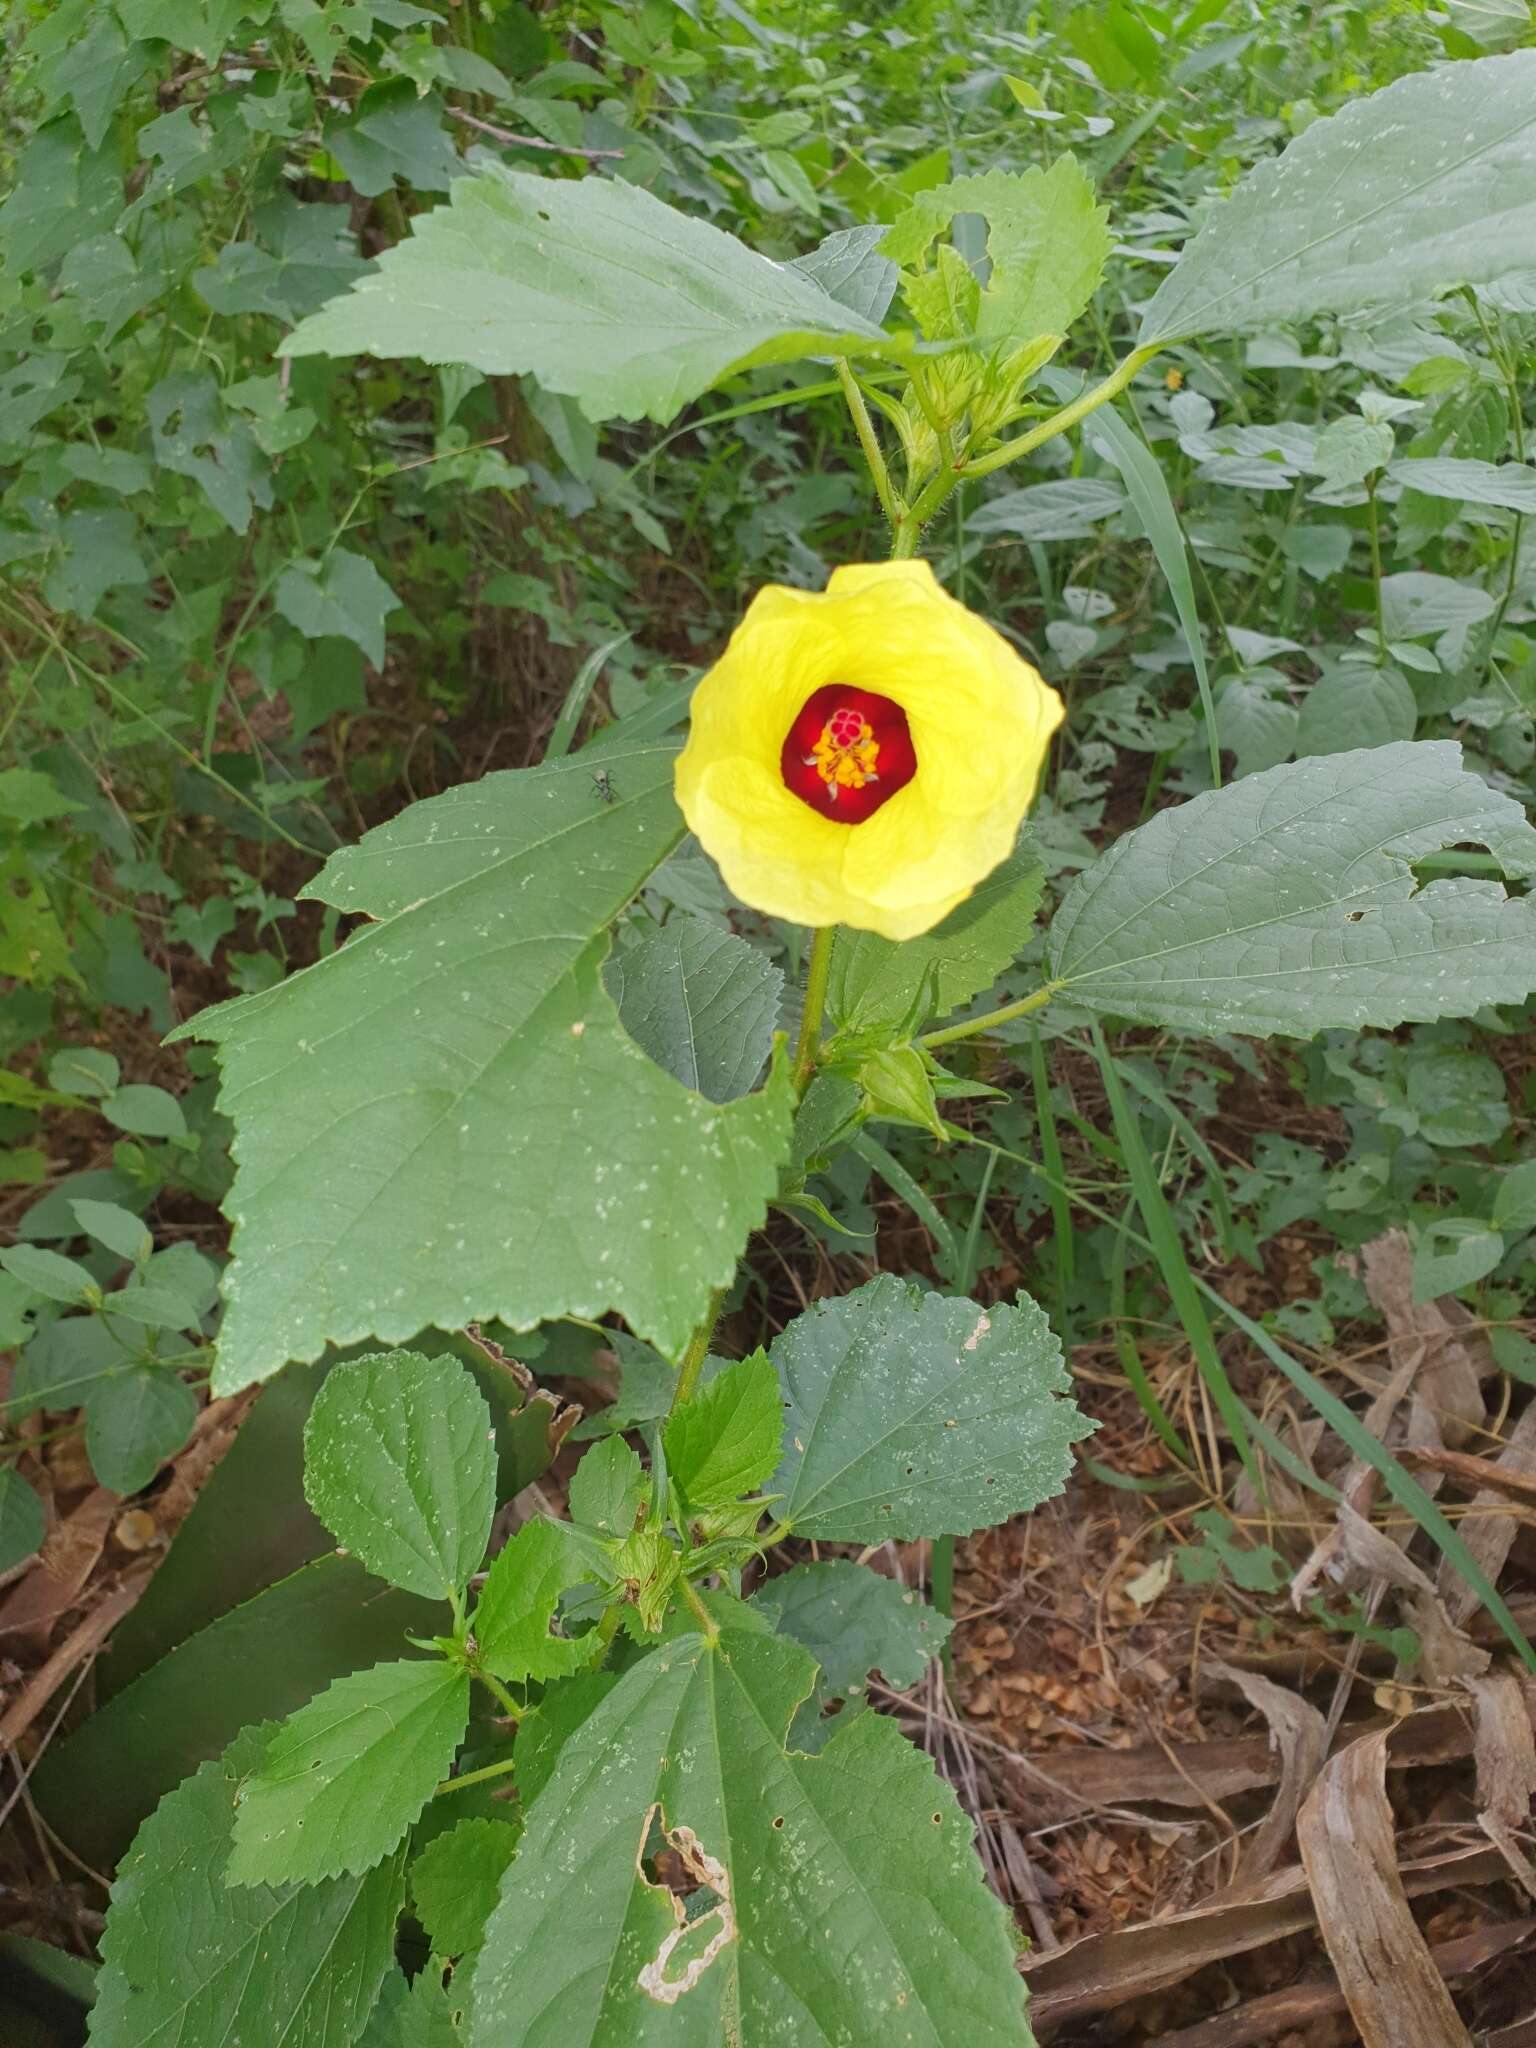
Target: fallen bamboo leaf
(1449, 1354)
(1506, 1767)
(1349, 1849)
(1299, 1736)
(1489, 1536)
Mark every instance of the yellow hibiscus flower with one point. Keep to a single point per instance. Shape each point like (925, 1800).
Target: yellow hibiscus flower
(863, 755)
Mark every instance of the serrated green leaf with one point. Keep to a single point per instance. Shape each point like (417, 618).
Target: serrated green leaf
(344, 1777)
(420, 2013)
(29, 797)
(340, 596)
(186, 1958)
(854, 1621)
(133, 1422)
(725, 1441)
(1429, 183)
(455, 1080)
(400, 1465)
(593, 286)
(608, 1488)
(23, 1523)
(840, 1897)
(456, 1879)
(911, 1414)
(1286, 903)
(1046, 236)
(518, 1600)
(701, 1002)
(875, 982)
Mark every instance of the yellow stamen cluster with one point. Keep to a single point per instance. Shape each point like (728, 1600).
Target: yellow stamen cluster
(845, 757)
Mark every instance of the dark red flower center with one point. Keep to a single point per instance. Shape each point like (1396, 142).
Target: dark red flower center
(847, 753)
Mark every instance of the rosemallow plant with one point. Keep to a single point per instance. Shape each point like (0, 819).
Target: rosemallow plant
(623, 1779)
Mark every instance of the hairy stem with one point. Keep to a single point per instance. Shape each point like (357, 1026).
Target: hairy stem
(818, 972)
(973, 1027)
(1069, 415)
(864, 427)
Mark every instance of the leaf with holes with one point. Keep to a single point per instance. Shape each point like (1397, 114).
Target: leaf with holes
(838, 1897)
(602, 292)
(400, 1465)
(1427, 184)
(187, 1958)
(1287, 902)
(909, 1414)
(450, 1103)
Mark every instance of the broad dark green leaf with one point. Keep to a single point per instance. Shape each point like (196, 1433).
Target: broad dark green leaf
(910, 1414)
(608, 1489)
(1287, 902)
(840, 1897)
(849, 268)
(599, 290)
(701, 1002)
(876, 982)
(449, 1101)
(1356, 705)
(855, 1621)
(1068, 508)
(343, 1778)
(1429, 183)
(1510, 484)
(400, 1465)
(187, 1959)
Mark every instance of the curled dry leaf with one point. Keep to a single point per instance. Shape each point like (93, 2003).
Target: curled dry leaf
(1489, 1535)
(1448, 1352)
(1298, 1732)
(1348, 1846)
(1506, 1765)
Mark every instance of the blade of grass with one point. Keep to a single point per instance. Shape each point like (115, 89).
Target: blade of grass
(576, 697)
(917, 1199)
(1061, 1207)
(1130, 1358)
(1215, 1179)
(1168, 1249)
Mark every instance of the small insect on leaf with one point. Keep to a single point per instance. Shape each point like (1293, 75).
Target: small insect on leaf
(603, 788)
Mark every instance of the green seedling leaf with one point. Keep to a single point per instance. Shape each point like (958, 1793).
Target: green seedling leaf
(913, 1415)
(134, 1421)
(701, 1002)
(400, 1465)
(1046, 238)
(455, 1881)
(608, 1489)
(1514, 1206)
(1287, 902)
(593, 286)
(344, 1777)
(340, 596)
(186, 1957)
(725, 1442)
(82, 1070)
(29, 797)
(1510, 484)
(1255, 1567)
(1068, 508)
(49, 1274)
(147, 1112)
(1427, 184)
(849, 268)
(511, 1625)
(1356, 703)
(153, 1306)
(456, 1076)
(839, 1896)
(876, 983)
(23, 1523)
(117, 1228)
(1454, 1254)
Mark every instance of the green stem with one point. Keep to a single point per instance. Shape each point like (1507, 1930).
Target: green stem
(475, 1777)
(702, 1615)
(973, 1027)
(864, 427)
(1069, 415)
(501, 1696)
(1375, 536)
(817, 974)
(692, 1362)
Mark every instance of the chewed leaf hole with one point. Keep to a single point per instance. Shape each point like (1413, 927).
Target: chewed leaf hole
(675, 1861)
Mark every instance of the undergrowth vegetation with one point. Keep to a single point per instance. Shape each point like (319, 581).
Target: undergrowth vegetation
(400, 408)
